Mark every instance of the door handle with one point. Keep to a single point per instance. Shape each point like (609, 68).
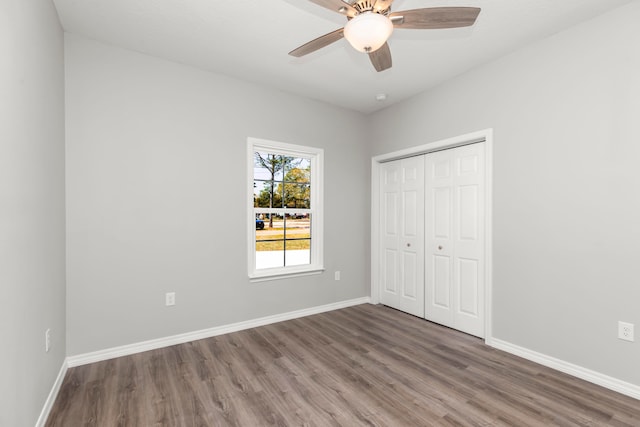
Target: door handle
(439, 248)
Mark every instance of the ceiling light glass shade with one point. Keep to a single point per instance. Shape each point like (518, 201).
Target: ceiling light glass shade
(368, 31)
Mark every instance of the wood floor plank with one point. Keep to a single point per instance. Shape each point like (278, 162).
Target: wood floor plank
(328, 392)
(360, 366)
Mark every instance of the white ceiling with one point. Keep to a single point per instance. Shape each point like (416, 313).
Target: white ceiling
(250, 39)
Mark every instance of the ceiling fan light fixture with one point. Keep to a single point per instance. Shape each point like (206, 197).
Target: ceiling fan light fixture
(368, 31)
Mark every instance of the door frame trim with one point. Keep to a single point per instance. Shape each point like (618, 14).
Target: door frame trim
(485, 136)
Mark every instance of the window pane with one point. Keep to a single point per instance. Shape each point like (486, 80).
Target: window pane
(262, 195)
(298, 171)
(269, 254)
(267, 166)
(298, 174)
(297, 196)
(298, 252)
(269, 241)
(278, 191)
(298, 239)
(272, 223)
(298, 225)
(273, 166)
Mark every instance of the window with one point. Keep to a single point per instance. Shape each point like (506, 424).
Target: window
(285, 209)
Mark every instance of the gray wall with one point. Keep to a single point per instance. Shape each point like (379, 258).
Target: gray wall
(566, 172)
(156, 197)
(32, 276)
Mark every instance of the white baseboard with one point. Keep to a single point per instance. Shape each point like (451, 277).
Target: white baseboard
(125, 350)
(605, 381)
(48, 404)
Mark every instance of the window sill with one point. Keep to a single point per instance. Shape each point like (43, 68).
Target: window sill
(276, 275)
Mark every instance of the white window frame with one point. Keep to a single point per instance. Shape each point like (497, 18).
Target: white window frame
(317, 218)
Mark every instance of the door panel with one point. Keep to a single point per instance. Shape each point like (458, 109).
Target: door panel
(454, 199)
(409, 209)
(390, 209)
(468, 286)
(390, 271)
(442, 282)
(442, 212)
(402, 187)
(390, 187)
(468, 212)
(470, 240)
(467, 164)
(410, 267)
(438, 235)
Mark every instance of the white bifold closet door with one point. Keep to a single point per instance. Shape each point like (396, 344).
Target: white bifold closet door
(455, 236)
(402, 235)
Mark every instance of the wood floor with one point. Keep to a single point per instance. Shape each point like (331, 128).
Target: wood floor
(360, 366)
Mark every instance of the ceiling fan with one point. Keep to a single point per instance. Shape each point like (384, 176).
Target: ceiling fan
(371, 22)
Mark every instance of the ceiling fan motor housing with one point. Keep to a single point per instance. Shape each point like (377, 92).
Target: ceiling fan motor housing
(369, 6)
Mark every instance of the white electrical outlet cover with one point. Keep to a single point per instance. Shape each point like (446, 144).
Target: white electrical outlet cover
(625, 331)
(170, 299)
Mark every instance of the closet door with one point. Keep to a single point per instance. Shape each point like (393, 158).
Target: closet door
(454, 253)
(402, 235)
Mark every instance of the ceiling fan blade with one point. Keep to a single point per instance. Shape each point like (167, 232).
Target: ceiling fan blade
(318, 43)
(381, 58)
(435, 17)
(337, 6)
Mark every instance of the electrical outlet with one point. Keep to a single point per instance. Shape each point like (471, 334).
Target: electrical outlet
(47, 340)
(337, 275)
(625, 331)
(170, 299)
